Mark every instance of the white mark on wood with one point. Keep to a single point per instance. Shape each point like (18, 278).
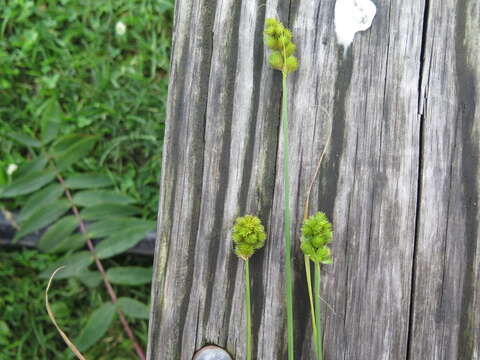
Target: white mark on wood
(352, 16)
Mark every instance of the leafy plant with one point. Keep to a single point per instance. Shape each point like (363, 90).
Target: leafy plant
(279, 39)
(316, 334)
(64, 60)
(64, 204)
(248, 236)
(27, 333)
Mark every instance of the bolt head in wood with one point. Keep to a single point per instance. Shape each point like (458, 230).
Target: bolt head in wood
(211, 352)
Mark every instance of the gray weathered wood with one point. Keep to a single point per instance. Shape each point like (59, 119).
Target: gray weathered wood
(399, 181)
(446, 303)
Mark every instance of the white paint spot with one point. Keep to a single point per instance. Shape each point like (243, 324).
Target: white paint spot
(352, 16)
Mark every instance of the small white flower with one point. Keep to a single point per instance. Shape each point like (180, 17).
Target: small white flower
(120, 28)
(11, 169)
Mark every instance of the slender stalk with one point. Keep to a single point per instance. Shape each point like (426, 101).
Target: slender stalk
(98, 263)
(307, 260)
(248, 311)
(308, 272)
(317, 312)
(288, 257)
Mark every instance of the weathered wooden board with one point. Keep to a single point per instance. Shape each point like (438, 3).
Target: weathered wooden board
(401, 165)
(446, 302)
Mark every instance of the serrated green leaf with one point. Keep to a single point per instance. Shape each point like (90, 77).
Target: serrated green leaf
(24, 139)
(36, 164)
(42, 217)
(108, 210)
(28, 184)
(88, 181)
(122, 240)
(49, 131)
(51, 120)
(111, 226)
(97, 325)
(75, 152)
(90, 278)
(133, 308)
(72, 242)
(57, 233)
(39, 199)
(130, 275)
(96, 197)
(74, 265)
(64, 142)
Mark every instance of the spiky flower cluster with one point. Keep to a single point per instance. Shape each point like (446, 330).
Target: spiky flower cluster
(248, 236)
(279, 39)
(316, 234)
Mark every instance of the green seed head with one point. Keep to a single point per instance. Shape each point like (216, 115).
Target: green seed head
(276, 60)
(248, 235)
(316, 234)
(271, 42)
(291, 64)
(290, 49)
(288, 34)
(270, 22)
(283, 41)
(279, 39)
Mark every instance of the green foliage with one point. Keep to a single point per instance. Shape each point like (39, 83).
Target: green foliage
(65, 69)
(248, 235)
(83, 87)
(88, 180)
(279, 39)
(61, 230)
(47, 206)
(97, 325)
(130, 275)
(56, 202)
(27, 333)
(316, 235)
(33, 181)
(133, 308)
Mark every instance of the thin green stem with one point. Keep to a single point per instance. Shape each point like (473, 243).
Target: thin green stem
(248, 314)
(317, 311)
(308, 272)
(288, 260)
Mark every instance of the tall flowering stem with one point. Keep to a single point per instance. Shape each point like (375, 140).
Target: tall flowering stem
(308, 270)
(316, 235)
(279, 40)
(248, 236)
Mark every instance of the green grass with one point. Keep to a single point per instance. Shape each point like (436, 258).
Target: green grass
(25, 330)
(64, 59)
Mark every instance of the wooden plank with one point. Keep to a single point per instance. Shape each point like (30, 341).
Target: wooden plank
(223, 159)
(369, 181)
(446, 321)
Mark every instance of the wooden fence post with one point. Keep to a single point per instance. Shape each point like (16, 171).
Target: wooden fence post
(400, 181)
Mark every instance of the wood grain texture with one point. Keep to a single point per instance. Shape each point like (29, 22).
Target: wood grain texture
(399, 181)
(446, 322)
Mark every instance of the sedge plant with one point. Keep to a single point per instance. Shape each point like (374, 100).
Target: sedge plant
(279, 40)
(316, 235)
(248, 236)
